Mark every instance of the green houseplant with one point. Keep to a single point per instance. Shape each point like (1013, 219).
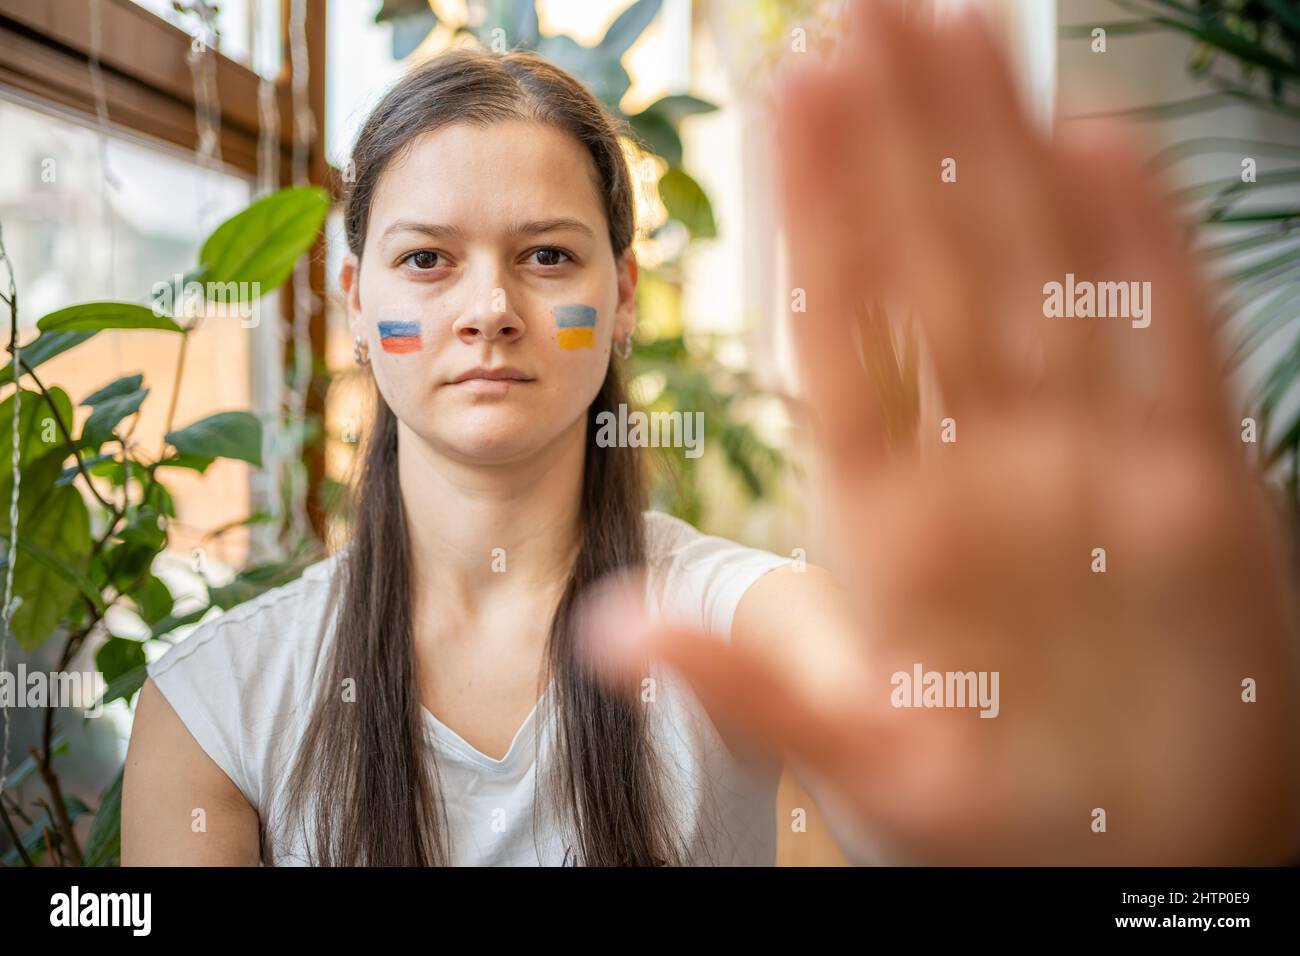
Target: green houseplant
(1246, 53)
(93, 511)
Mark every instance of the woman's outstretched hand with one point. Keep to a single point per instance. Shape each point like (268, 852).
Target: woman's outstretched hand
(1093, 536)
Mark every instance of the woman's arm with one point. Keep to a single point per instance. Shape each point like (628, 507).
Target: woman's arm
(178, 807)
(801, 624)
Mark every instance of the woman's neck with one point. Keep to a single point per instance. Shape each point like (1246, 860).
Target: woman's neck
(480, 533)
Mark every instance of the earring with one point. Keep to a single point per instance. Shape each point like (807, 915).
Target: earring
(361, 351)
(623, 347)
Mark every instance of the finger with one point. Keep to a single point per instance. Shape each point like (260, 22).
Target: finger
(1162, 355)
(1183, 346)
(733, 685)
(825, 250)
(1080, 353)
(957, 168)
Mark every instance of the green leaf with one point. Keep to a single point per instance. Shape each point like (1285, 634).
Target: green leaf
(687, 202)
(123, 386)
(126, 685)
(678, 106)
(43, 348)
(47, 586)
(1261, 215)
(224, 435)
(411, 19)
(160, 499)
(1290, 439)
(518, 20)
(107, 415)
(70, 473)
(629, 25)
(1215, 34)
(1273, 314)
(142, 538)
(81, 581)
(657, 135)
(603, 75)
(152, 600)
(95, 316)
(42, 449)
(173, 621)
(105, 843)
(251, 582)
(1286, 12)
(197, 463)
(261, 244)
(118, 656)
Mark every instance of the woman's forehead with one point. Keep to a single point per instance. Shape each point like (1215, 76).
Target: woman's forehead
(509, 170)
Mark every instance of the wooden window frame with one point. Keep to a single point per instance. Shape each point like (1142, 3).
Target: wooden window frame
(45, 49)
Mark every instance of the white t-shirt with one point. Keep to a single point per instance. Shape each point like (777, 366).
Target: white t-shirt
(244, 683)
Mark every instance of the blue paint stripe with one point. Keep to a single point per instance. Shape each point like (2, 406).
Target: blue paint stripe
(389, 330)
(575, 316)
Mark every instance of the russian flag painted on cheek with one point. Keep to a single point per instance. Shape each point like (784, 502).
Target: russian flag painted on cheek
(399, 338)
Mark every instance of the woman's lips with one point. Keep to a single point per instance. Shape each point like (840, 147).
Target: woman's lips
(490, 386)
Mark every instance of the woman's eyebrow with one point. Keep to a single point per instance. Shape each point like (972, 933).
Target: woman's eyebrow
(434, 230)
(438, 230)
(551, 225)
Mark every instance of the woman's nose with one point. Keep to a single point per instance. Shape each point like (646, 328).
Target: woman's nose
(490, 316)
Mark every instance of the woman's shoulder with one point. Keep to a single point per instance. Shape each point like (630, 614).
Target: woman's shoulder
(238, 681)
(257, 628)
(698, 579)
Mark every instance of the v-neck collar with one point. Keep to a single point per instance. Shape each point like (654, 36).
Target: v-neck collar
(517, 757)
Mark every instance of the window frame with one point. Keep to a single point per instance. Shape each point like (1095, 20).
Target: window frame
(45, 55)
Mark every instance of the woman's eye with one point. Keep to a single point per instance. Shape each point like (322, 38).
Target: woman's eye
(422, 260)
(550, 256)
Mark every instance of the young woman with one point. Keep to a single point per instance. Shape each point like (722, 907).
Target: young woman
(425, 697)
(422, 685)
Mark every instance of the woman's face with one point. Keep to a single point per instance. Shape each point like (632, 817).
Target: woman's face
(488, 248)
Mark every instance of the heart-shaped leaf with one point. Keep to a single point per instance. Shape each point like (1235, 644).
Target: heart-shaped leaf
(96, 316)
(224, 435)
(260, 245)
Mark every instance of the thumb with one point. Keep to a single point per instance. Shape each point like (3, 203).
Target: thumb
(616, 636)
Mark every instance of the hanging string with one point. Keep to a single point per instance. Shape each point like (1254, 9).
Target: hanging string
(202, 61)
(106, 177)
(7, 611)
(304, 131)
(269, 353)
(268, 130)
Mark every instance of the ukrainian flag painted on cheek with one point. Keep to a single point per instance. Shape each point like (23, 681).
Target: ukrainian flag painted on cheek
(575, 326)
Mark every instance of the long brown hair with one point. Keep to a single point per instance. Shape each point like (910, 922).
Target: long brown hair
(367, 765)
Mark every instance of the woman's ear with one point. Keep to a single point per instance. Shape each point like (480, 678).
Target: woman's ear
(350, 283)
(625, 311)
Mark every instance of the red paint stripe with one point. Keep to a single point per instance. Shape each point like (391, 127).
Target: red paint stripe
(400, 344)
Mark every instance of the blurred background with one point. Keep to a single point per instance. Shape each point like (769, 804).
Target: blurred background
(133, 128)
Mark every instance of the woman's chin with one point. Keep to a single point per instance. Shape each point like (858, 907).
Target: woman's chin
(491, 441)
